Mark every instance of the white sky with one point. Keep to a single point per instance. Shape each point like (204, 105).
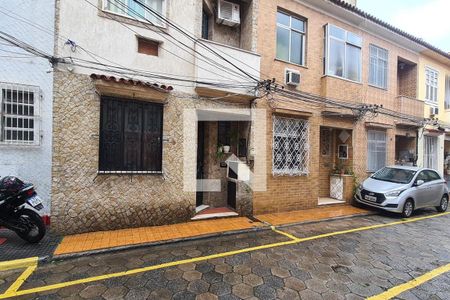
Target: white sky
(426, 19)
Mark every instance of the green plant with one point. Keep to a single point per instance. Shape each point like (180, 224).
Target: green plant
(339, 167)
(219, 152)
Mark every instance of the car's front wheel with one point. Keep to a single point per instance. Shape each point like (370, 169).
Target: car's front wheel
(444, 204)
(408, 208)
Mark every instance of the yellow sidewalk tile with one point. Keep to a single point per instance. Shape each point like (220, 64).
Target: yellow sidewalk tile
(123, 237)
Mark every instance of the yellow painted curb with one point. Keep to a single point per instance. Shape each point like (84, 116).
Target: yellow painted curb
(18, 263)
(397, 290)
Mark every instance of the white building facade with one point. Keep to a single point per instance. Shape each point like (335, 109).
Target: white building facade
(26, 95)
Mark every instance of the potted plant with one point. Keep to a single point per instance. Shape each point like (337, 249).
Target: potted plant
(339, 168)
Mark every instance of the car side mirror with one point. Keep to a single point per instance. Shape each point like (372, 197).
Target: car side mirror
(419, 182)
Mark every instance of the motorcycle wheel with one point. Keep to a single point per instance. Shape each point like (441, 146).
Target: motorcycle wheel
(36, 227)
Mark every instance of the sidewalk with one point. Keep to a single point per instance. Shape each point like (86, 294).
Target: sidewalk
(144, 235)
(312, 215)
(81, 244)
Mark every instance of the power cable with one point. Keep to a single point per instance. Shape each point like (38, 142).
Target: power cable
(193, 38)
(125, 9)
(38, 26)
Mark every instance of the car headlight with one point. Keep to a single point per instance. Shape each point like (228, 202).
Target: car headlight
(394, 193)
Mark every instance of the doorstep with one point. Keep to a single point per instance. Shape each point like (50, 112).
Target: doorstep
(329, 201)
(313, 215)
(215, 212)
(103, 241)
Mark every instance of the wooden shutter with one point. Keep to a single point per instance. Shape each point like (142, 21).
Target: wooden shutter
(111, 135)
(132, 136)
(152, 137)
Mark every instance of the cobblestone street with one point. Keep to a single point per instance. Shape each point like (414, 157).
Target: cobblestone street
(353, 265)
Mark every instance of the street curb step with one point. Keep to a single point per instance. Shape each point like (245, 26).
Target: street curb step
(370, 213)
(159, 243)
(265, 227)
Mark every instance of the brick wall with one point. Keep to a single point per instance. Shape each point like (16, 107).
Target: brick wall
(289, 193)
(407, 81)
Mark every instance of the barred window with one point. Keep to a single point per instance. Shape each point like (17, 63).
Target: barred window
(376, 150)
(290, 146)
(19, 114)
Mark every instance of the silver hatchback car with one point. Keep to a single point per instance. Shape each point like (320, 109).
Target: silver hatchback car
(403, 189)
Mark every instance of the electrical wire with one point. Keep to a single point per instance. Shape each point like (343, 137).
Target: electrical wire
(193, 38)
(38, 26)
(125, 9)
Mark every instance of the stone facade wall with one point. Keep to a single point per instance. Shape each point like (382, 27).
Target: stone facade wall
(83, 201)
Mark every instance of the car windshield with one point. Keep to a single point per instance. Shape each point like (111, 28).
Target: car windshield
(394, 175)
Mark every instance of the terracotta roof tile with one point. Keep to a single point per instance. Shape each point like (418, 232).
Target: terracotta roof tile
(388, 26)
(162, 87)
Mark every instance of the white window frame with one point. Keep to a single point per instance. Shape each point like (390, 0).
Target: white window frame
(290, 28)
(346, 41)
(447, 93)
(431, 86)
(374, 52)
(372, 146)
(303, 169)
(5, 114)
(133, 17)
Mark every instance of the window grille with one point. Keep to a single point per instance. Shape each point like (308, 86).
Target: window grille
(430, 153)
(290, 146)
(19, 114)
(131, 135)
(376, 150)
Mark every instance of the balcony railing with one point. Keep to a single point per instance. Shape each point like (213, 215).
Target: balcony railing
(227, 79)
(410, 106)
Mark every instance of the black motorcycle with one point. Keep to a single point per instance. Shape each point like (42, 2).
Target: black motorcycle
(14, 194)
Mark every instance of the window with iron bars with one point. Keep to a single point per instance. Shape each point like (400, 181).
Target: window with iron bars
(290, 146)
(19, 114)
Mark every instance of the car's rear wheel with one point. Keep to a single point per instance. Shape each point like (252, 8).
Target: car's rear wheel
(444, 204)
(408, 208)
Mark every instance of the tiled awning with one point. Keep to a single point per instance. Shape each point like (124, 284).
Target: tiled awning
(129, 88)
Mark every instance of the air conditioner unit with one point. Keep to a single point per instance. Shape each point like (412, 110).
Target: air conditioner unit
(292, 77)
(434, 111)
(228, 13)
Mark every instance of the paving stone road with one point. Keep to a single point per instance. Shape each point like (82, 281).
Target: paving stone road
(348, 266)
